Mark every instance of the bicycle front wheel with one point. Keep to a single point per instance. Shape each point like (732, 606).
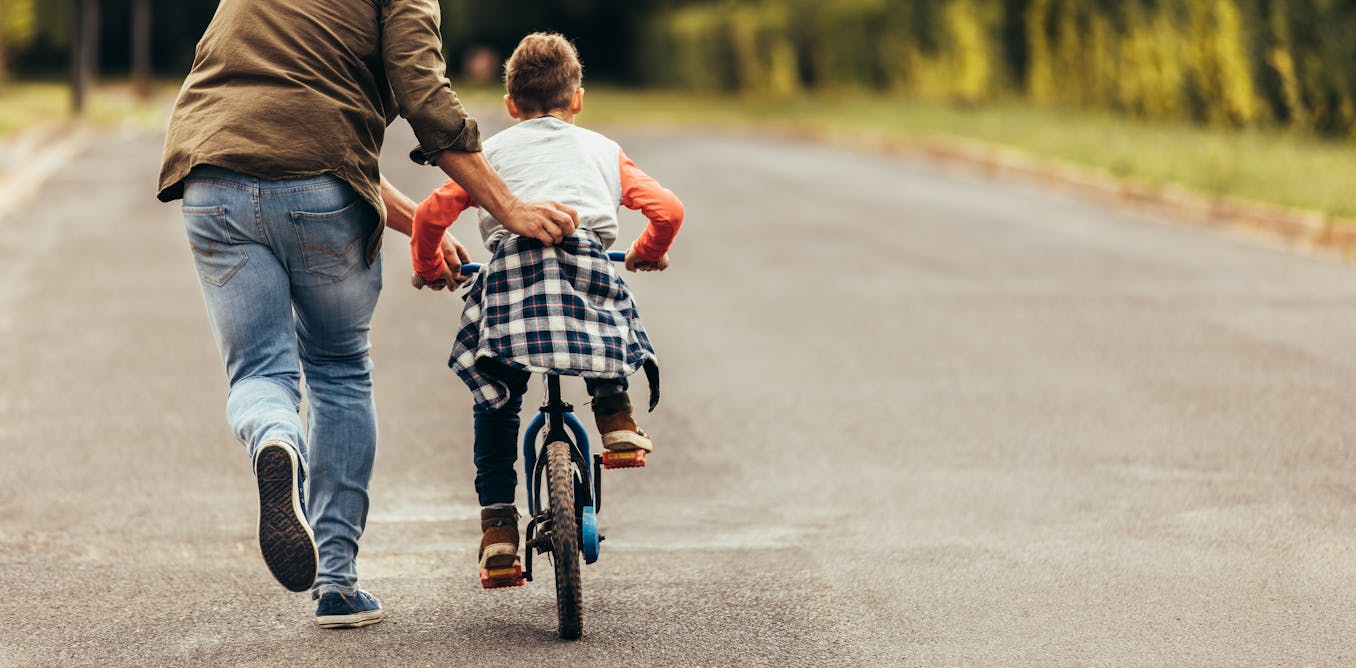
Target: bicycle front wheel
(560, 483)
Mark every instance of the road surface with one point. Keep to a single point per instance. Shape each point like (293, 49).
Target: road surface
(912, 417)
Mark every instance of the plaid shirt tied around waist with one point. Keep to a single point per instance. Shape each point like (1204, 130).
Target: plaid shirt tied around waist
(550, 309)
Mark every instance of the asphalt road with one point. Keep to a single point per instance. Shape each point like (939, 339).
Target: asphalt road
(912, 417)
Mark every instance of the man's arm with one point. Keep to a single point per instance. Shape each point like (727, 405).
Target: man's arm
(412, 52)
(547, 222)
(399, 208)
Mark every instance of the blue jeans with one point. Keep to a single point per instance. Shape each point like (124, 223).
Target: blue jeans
(287, 290)
(496, 435)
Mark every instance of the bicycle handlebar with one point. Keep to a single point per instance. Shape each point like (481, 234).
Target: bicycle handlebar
(472, 267)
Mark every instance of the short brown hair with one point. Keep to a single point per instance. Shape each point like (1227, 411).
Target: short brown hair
(543, 73)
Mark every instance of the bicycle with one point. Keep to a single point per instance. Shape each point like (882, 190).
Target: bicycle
(571, 477)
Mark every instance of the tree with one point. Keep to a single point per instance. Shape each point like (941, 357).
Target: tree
(18, 25)
(84, 37)
(141, 47)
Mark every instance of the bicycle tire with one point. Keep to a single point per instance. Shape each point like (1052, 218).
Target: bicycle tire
(560, 482)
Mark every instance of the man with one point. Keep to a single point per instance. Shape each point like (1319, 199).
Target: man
(273, 147)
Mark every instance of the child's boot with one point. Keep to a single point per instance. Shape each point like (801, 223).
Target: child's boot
(499, 562)
(624, 441)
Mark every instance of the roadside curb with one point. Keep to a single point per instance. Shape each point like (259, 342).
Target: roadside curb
(31, 157)
(1298, 228)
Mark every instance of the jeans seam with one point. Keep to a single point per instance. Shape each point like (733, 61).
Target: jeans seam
(222, 226)
(224, 183)
(259, 221)
(289, 190)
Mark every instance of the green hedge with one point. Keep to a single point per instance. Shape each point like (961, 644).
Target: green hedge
(1223, 62)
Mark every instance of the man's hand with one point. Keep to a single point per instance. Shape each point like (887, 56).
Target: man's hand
(454, 255)
(547, 222)
(634, 263)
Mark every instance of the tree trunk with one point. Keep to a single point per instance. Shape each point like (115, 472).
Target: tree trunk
(84, 42)
(79, 75)
(93, 24)
(141, 48)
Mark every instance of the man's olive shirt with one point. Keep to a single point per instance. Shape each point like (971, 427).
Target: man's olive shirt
(285, 89)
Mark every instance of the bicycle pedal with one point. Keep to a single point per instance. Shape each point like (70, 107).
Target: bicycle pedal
(623, 459)
(495, 578)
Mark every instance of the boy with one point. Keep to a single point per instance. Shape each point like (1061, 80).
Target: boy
(535, 308)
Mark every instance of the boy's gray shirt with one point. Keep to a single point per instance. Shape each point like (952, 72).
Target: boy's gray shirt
(549, 159)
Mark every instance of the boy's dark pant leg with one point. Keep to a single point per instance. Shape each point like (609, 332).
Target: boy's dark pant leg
(609, 395)
(496, 441)
(598, 387)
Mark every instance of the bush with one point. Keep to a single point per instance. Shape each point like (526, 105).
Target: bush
(1223, 62)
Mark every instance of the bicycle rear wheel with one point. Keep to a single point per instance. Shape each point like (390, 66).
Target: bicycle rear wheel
(560, 483)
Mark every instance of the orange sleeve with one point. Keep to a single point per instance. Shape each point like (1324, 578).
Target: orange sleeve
(431, 220)
(659, 204)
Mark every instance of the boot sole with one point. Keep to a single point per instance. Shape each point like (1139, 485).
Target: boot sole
(624, 441)
(285, 538)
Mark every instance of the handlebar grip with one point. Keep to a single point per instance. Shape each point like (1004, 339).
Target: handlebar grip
(473, 267)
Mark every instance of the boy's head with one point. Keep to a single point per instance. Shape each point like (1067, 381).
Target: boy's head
(543, 76)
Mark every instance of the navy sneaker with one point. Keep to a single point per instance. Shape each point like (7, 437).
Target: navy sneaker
(285, 537)
(337, 611)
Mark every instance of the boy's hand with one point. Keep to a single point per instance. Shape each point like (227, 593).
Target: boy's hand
(634, 263)
(418, 282)
(454, 255)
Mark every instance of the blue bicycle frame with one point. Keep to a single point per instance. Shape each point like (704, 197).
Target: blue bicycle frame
(557, 419)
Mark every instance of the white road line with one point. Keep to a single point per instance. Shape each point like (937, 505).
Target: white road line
(33, 158)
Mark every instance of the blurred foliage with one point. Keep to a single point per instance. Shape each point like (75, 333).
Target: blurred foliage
(176, 27)
(605, 30)
(1223, 62)
(1256, 165)
(18, 26)
(1227, 63)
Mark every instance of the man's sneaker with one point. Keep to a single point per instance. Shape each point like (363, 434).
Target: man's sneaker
(499, 562)
(285, 538)
(624, 441)
(339, 611)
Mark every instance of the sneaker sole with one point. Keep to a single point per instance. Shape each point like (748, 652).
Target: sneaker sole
(353, 621)
(625, 441)
(285, 538)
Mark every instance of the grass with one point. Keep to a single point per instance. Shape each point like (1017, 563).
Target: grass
(26, 105)
(1267, 166)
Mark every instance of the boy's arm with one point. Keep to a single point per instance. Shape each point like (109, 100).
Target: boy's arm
(400, 211)
(660, 206)
(431, 220)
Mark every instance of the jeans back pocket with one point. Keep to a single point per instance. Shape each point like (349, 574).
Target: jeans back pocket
(216, 255)
(332, 243)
